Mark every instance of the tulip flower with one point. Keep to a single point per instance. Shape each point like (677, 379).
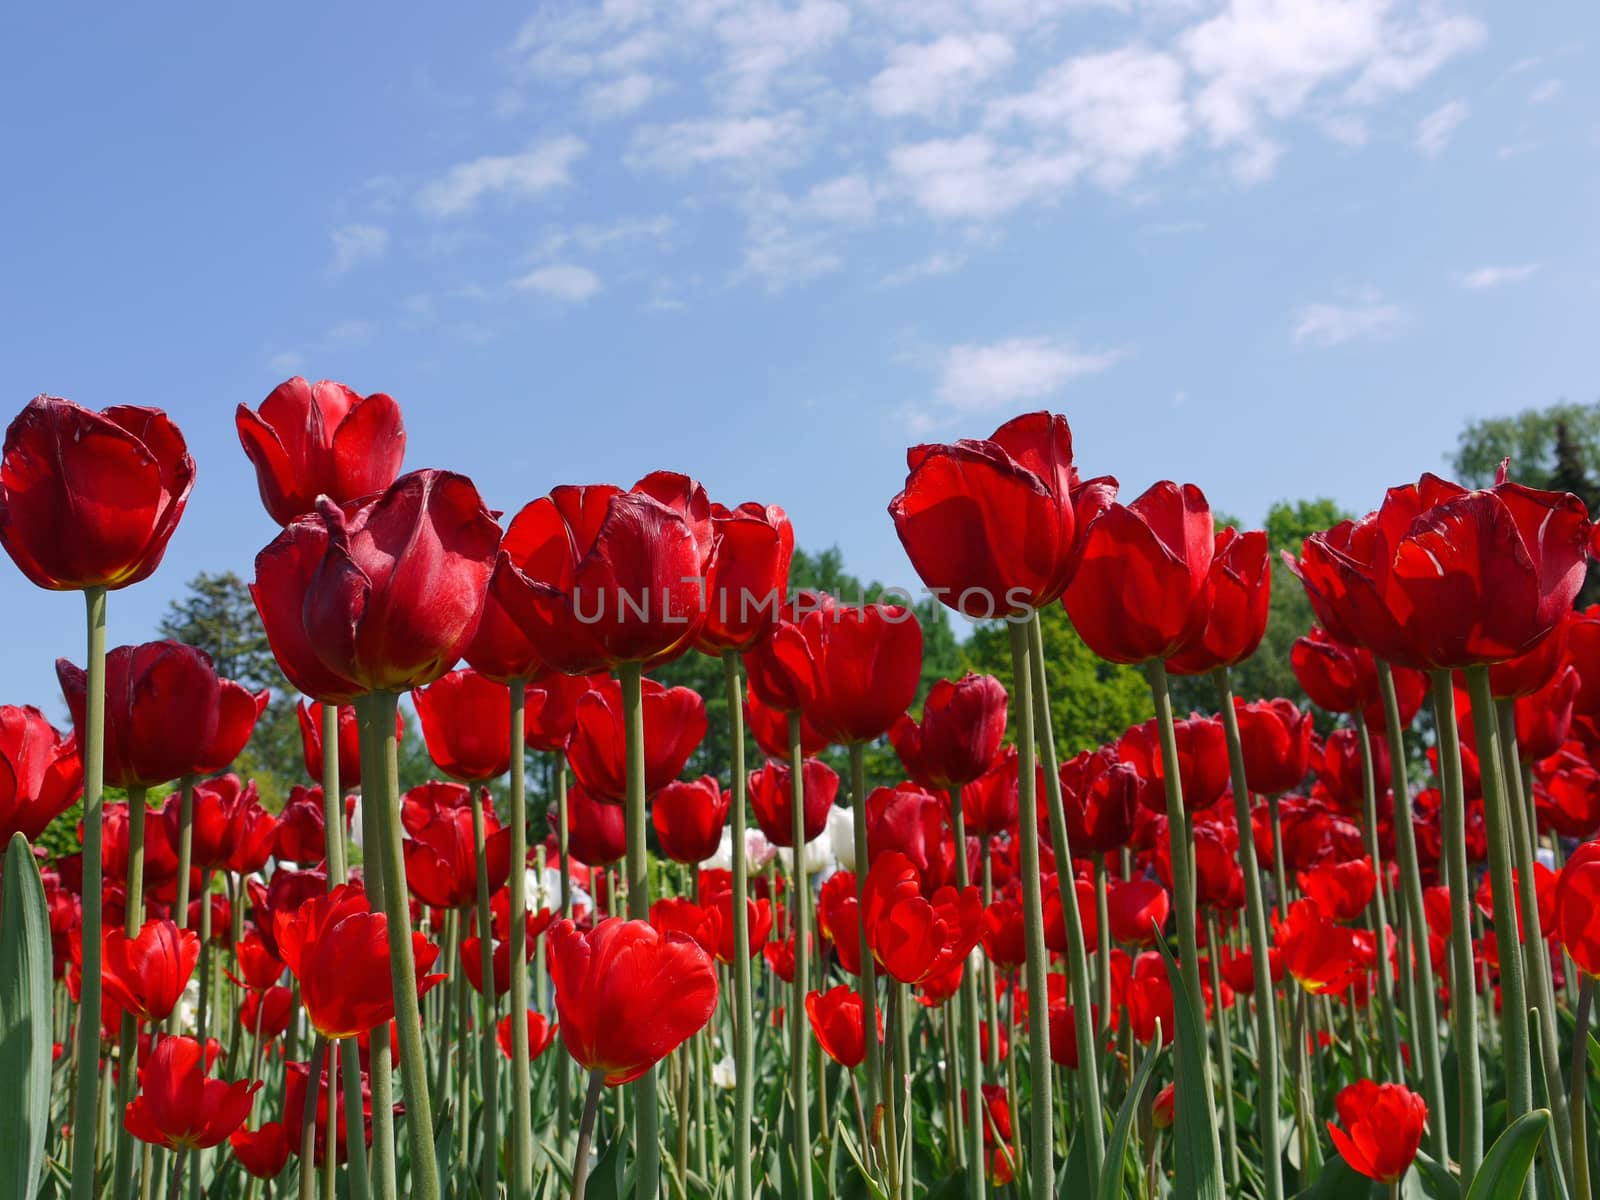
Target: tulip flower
(1577, 908)
(1341, 890)
(1543, 719)
(259, 967)
(1275, 736)
(301, 828)
(349, 748)
(1202, 761)
(1136, 910)
(758, 924)
(674, 724)
(1321, 956)
(338, 949)
(989, 804)
(162, 704)
(146, 974)
(285, 893)
(680, 915)
(596, 831)
(771, 792)
(266, 1014)
(959, 735)
(179, 1106)
(627, 995)
(441, 857)
(1234, 603)
(1002, 934)
(466, 724)
(748, 576)
(261, 1152)
(769, 727)
(89, 499)
(1382, 1128)
(688, 817)
(320, 439)
(541, 1032)
(915, 823)
(1099, 794)
(838, 920)
(911, 937)
(836, 1019)
(41, 772)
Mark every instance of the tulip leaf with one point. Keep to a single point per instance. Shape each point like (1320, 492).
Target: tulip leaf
(1505, 1168)
(1339, 1181)
(25, 1012)
(1437, 1181)
(1197, 1156)
(1115, 1171)
(606, 1176)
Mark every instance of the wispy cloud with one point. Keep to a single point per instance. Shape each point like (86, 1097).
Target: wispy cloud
(1545, 92)
(1364, 317)
(531, 173)
(566, 282)
(1493, 277)
(980, 376)
(1436, 129)
(357, 244)
(941, 263)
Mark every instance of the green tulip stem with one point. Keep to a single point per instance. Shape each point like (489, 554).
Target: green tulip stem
(489, 1057)
(1270, 1080)
(385, 798)
(308, 1122)
(1463, 989)
(133, 918)
(869, 966)
(86, 1104)
(1041, 1171)
(743, 1023)
(799, 904)
(1380, 912)
(580, 1157)
(563, 1062)
(1578, 1097)
(971, 1058)
(1497, 821)
(380, 1071)
(647, 1146)
(517, 935)
(180, 910)
(1425, 1028)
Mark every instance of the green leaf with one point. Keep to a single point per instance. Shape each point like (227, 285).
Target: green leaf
(605, 1178)
(25, 1033)
(1505, 1167)
(1115, 1172)
(1197, 1155)
(1337, 1181)
(1437, 1180)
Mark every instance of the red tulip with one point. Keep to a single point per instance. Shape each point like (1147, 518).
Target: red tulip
(1145, 990)
(466, 724)
(992, 526)
(1544, 893)
(628, 995)
(284, 572)
(771, 791)
(295, 1086)
(1136, 910)
(1099, 795)
(989, 804)
(310, 716)
(258, 966)
(321, 439)
(442, 861)
(770, 729)
(780, 957)
(1339, 770)
(911, 937)
(915, 823)
(145, 975)
(837, 909)
(852, 671)
(1276, 738)
(1064, 1034)
(1202, 762)
(674, 725)
(302, 836)
(399, 590)
(252, 830)
(1443, 577)
(162, 704)
(837, 1021)
(749, 576)
(499, 962)
(1567, 795)
(1234, 602)
(596, 576)
(1144, 566)
(758, 925)
(551, 708)
(1003, 934)
(41, 773)
(262, 1152)
(596, 831)
(265, 1014)
(541, 1032)
(1165, 1107)
(179, 1106)
(338, 949)
(959, 735)
(1321, 956)
(688, 817)
(1383, 1128)
(1577, 907)
(1544, 718)
(89, 499)
(1341, 890)
(679, 915)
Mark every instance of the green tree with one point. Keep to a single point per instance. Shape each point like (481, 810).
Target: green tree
(1535, 440)
(216, 614)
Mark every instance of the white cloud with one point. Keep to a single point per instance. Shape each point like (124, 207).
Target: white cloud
(760, 40)
(974, 178)
(286, 361)
(936, 79)
(350, 333)
(625, 231)
(357, 244)
(560, 281)
(978, 377)
(1493, 277)
(621, 96)
(782, 256)
(1436, 129)
(677, 147)
(1545, 92)
(1365, 316)
(1413, 52)
(940, 263)
(849, 199)
(1120, 108)
(531, 173)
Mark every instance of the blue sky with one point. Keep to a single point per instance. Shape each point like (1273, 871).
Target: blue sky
(1281, 248)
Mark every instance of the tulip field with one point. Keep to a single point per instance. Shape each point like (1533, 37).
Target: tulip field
(1256, 950)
